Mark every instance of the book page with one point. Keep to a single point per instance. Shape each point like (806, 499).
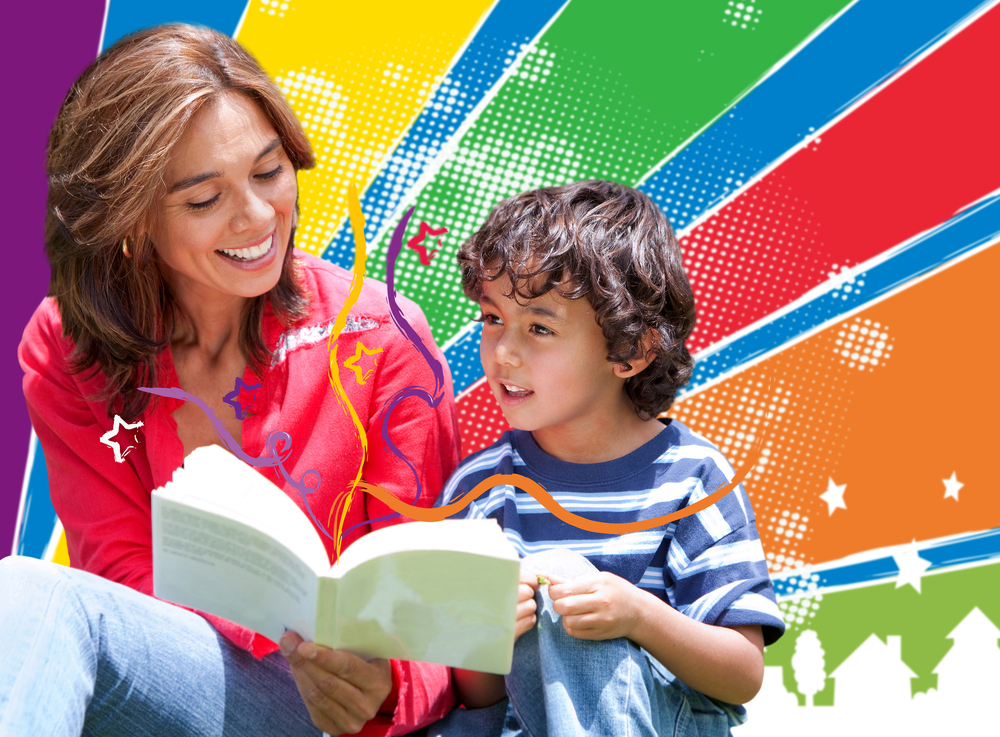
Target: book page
(227, 568)
(451, 600)
(214, 479)
(472, 536)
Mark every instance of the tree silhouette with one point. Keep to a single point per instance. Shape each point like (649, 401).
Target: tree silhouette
(808, 664)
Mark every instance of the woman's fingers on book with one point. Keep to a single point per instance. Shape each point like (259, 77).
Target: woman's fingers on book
(340, 690)
(288, 643)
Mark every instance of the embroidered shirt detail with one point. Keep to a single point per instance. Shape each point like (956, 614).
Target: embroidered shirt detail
(303, 337)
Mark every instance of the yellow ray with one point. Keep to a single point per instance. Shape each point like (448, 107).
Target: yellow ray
(355, 82)
(61, 554)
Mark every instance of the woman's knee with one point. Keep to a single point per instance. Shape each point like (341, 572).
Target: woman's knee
(18, 572)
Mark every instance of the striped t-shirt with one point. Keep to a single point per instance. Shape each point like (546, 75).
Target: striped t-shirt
(709, 566)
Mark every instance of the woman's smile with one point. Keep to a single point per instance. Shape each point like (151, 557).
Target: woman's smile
(257, 256)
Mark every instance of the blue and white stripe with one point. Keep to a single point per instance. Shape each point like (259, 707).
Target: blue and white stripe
(709, 565)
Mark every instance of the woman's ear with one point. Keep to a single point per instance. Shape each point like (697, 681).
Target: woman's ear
(635, 366)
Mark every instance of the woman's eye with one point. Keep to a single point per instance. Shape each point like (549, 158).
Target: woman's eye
(269, 175)
(203, 205)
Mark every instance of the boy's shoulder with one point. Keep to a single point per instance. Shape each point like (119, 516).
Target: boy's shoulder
(678, 449)
(500, 456)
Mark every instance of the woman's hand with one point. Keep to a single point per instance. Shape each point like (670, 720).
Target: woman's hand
(526, 589)
(340, 690)
(598, 607)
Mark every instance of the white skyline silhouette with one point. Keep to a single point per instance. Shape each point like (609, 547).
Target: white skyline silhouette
(872, 691)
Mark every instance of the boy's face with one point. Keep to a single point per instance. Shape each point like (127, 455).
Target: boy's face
(546, 362)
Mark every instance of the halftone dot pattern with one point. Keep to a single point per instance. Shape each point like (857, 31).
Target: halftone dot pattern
(798, 611)
(559, 118)
(710, 168)
(449, 103)
(463, 359)
(742, 15)
(274, 7)
(807, 406)
(352, 118)
(862, 344)
(754, 255)
(480, 419)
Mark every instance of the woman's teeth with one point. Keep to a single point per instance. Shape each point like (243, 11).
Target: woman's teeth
(248, 254)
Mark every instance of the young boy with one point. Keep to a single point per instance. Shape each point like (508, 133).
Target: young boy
(585, 310)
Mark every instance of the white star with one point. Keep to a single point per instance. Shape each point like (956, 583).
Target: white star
(911, 566)
(116, 447)
(951, 486)
(834, 496)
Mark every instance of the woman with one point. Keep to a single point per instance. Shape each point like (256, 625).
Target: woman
(172, 205)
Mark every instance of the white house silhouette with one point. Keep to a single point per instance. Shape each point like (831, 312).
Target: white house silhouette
(970, 670)
(874, 674)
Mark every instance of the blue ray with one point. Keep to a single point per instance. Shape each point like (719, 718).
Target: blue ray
(510, 25)
(978, 547)
(126, 16)
(38, 518)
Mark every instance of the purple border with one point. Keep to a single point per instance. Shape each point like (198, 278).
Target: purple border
(46, 48)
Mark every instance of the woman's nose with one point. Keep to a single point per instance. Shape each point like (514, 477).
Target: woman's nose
(253, 213)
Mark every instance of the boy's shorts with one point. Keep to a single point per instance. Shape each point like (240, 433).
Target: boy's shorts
(562, 686)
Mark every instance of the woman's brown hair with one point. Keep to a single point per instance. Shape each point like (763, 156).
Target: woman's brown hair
(108, 149)
(607, 243)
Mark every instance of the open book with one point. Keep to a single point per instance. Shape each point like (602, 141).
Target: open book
(229, 542)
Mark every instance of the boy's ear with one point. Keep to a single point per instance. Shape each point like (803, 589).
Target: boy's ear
(638, 364)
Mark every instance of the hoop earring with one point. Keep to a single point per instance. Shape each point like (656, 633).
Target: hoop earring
(125, 247)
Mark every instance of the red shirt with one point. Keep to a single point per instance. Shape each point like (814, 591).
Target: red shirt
(104, 505)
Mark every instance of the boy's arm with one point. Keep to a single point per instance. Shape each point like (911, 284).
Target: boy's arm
(477, 690)
(721, 662)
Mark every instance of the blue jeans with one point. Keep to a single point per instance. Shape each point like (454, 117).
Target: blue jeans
(561, 686)
(82, 655)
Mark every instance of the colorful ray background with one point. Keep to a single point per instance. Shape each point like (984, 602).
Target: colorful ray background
(833, 173)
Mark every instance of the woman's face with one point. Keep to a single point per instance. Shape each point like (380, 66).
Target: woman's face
(223, 227)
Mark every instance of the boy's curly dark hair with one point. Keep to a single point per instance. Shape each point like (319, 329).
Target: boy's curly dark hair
(608, 243)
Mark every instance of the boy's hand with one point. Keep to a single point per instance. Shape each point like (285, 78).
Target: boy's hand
(525, 602)
(598, 607)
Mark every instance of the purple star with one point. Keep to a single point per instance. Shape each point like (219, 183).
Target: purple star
(238, 398)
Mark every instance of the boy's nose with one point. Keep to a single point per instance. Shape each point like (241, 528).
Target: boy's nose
(505, 353)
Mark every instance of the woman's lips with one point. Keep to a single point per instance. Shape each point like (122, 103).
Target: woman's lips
(262, 259)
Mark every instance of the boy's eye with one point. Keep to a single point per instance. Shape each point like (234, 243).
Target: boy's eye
(540, 330)
(490, 319)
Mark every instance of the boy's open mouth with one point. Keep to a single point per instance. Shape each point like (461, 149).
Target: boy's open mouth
(515, 391)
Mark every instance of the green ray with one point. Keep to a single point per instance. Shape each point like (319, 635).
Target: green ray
(605, 93)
